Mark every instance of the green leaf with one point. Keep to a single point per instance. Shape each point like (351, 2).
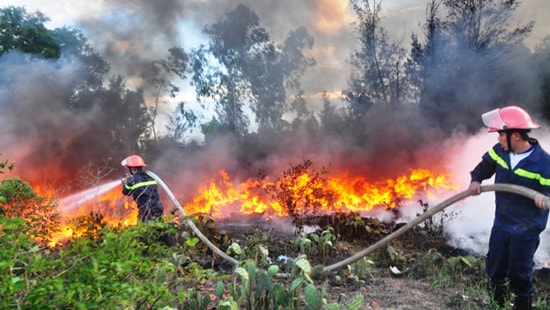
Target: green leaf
(296, 283)
(302, 263)
(236, 248)
(263, 250)
(314, 237)
(191, 242)
(313, 299)
(332, 306)
(243, 274)
(280, 296)
(272, 270)
(228, 305)
(356, 303)
(220, 289)
(251, 268)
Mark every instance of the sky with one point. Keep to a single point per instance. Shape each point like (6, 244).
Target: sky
(118, 28)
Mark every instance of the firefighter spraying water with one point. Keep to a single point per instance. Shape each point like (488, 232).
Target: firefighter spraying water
(142, 188)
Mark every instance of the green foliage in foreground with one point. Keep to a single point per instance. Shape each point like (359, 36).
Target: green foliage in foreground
(118, 270)
(132, 268)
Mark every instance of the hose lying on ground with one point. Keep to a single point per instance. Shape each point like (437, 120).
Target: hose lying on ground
(191, 224)
(323, 270)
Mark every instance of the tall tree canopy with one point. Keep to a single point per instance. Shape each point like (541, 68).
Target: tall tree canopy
(376, 77)
(25, 32)
(463, 65)
(242, 68)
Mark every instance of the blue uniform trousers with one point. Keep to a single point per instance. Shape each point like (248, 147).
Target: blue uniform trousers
(510, 257)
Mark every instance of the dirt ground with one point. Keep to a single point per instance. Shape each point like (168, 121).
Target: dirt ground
(401, 293)
(382, 288)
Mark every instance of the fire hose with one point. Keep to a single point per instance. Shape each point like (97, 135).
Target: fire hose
(324, 270)
(191, 224)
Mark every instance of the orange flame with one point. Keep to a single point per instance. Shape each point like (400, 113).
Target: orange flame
(336, 194)
(116, 211)
(303, 192)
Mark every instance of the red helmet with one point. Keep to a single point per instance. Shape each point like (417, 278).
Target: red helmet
(133, 161)
(510, 117)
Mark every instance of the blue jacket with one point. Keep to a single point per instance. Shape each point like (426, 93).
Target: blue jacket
(515, 213)
(143, 189)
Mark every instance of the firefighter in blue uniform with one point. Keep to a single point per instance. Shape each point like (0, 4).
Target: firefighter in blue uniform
(143, 189)
(516, 159)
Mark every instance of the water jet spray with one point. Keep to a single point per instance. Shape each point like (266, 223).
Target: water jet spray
(74, 200)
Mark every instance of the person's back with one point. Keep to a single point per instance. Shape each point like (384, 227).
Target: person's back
(143, 189)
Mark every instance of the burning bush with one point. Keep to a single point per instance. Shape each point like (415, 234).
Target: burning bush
(40, 213)
(302, 191)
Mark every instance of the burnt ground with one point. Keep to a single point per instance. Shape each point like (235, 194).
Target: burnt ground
(421, 285)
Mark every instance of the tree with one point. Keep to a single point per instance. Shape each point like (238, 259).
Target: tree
(159, 75)
(243, 68)
(421, 57)
(462, 68)
(376, 76)
(181, 122)
(304, 117)
(26, 33)
(123, 127)
(273, 72)
(65, 105)
(542, 63)
(92, 68)
(230, 41)
(332, 122)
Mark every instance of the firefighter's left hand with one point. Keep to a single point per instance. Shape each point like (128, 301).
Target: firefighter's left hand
(541, 201)
(126, 178)
(474, 188)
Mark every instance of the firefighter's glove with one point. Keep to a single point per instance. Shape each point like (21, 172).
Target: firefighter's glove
(541, 201)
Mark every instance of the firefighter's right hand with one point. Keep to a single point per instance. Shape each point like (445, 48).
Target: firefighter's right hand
(474, 188)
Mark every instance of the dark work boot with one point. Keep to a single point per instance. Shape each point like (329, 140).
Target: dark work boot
(499, 295)
(522, 303)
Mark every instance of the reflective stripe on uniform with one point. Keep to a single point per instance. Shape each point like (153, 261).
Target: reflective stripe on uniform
(133, 187)
(498, 159)
(532, 175)
(521, 172)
